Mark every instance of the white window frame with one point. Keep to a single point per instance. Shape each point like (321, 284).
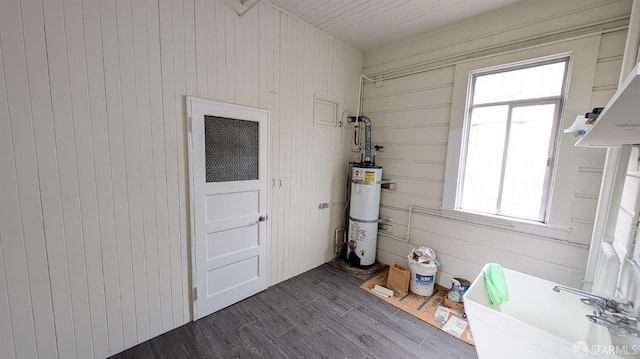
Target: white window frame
(583, 55)
(557, 100)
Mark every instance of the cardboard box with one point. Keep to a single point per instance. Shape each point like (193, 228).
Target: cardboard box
(453, 305)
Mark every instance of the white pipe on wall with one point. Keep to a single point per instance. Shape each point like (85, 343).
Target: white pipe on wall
(359, 106)
(408, 236)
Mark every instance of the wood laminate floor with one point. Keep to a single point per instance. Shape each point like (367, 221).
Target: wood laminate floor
(318, 314)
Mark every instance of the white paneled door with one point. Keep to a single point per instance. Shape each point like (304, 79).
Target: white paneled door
(228, 159)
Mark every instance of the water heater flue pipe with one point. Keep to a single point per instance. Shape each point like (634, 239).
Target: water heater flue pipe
(367, 138)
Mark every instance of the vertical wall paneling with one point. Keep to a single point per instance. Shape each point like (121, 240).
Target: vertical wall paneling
(239, 59)
(217, 62)
(277, 236)
(300, 198)
(159, 162)
(18, 334)
(90, 322)
(305, 101)
(7, 184)
(296, 163)
(201, 45)
(263, 55)
(51, 197)
(258, 58)
(307, 107)
(252, 39)
(277, 138)
(117, 44)
(290, 215)
(296, 193)
(291, 163)
(156, 231)
(145, 265)
(211, 49)
(311, 180)
(109, 176)
(95, 243)
(269, 31)
(131, 244)
(289, 146)
(38, 197)
(179, 61)
(252, 61)
(235, 53)
(284, 136)
(278, 127)
(243, 45)
(7, 349)
(88, 265)
(324, 140)
(312, 140)
(191, 88)
(167, 25)
(244, 39)
(230, 53)
(68, 211)
(94, 207)
(285, 145)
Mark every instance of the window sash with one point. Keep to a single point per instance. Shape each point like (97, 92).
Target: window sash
(528, 64)
(557, 102)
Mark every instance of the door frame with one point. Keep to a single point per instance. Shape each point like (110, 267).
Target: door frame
(192, 241)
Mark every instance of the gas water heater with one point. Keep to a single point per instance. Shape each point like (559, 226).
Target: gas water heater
(364, 207)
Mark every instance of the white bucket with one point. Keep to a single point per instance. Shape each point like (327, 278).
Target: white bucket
(423, 277)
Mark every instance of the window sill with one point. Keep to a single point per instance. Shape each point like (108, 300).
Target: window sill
(511, 224)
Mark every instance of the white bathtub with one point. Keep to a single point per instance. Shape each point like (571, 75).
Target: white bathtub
(536, 322)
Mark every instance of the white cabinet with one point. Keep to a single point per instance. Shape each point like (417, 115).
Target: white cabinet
(619, 122)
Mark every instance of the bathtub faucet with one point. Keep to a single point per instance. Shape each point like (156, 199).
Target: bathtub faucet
(603, 304)
(560, 288)
(617, 316)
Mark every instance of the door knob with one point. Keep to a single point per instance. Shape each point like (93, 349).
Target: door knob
(262, 218)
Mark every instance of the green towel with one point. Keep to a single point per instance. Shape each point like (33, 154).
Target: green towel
(495, 284)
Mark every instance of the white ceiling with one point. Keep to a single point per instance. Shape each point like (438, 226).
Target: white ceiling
(371, 24)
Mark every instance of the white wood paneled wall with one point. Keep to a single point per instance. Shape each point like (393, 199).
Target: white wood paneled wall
(94, 234)
(410, 117)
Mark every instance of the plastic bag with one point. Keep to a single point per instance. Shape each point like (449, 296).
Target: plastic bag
(423, 255)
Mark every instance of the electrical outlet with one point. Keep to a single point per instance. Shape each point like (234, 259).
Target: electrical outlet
(323, 205)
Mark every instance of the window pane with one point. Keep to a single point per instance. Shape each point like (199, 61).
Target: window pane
(231, 149)
(526, 166)
(484, 159)
(527, 83)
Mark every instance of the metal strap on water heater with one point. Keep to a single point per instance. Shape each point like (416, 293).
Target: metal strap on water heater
(364, 220)
(367, 182)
